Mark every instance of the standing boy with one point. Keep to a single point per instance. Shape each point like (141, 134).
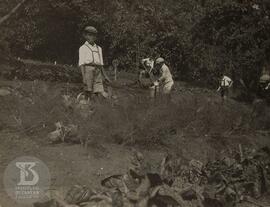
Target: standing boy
(91, 64)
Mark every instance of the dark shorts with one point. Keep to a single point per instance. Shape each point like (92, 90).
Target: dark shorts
(224, 91)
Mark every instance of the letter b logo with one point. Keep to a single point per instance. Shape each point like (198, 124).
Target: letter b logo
(28, 176)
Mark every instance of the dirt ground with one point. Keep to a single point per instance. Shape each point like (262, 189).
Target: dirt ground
(68, 164)
(191, 136)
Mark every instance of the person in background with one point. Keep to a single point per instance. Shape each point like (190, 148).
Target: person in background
(165, 79)
(264, 81)
(148, 65)
(91, 65)
(224, 85)
(147, 72)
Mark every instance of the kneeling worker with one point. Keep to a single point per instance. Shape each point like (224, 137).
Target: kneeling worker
(91, 64)
(147, 72)
(148, 65)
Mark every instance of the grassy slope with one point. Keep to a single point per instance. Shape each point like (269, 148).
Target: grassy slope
(195, 125)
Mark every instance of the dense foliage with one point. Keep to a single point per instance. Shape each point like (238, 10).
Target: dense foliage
(198, 38)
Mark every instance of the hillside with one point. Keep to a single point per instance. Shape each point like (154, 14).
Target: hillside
(195, 125)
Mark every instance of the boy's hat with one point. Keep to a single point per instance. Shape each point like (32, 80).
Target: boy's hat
(90, 30)
(159, 60)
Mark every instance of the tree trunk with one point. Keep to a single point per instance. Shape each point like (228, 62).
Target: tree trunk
(14, 10)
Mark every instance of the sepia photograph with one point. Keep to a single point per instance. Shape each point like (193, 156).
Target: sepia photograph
(134, 103)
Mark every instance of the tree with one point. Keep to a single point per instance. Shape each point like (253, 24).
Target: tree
(199, 39)
(13, 11)
(237, 33)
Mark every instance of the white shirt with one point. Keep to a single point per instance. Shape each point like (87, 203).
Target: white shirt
(166, 75)
(90, 54)
(225, 81)
(148, 64)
